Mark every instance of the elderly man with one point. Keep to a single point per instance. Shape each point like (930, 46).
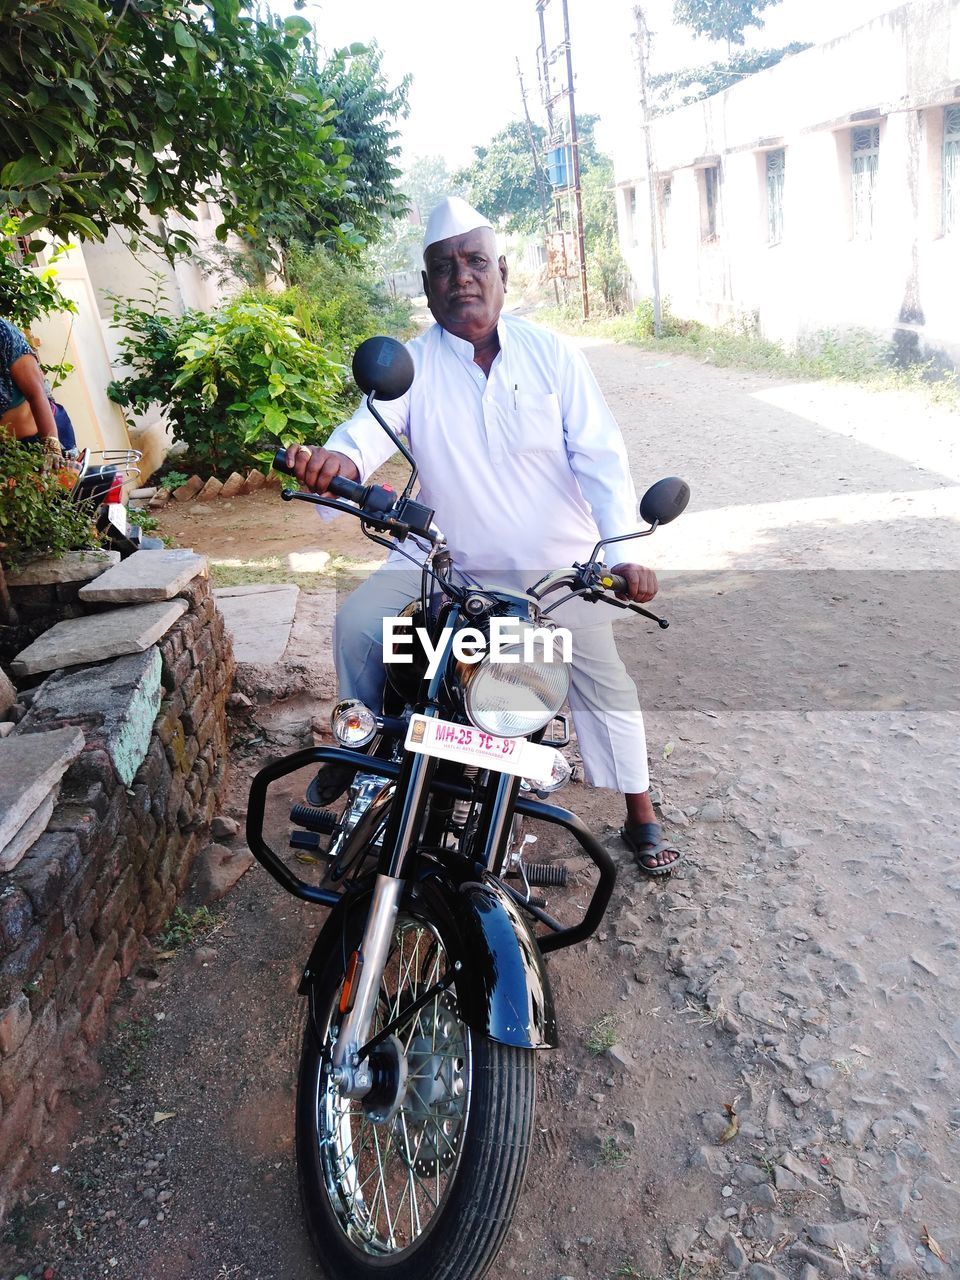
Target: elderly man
(526, 469)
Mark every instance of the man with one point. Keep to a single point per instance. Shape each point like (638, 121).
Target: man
(523, 463)
(25, 411)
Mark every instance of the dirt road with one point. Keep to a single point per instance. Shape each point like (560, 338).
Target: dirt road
(781, 1097)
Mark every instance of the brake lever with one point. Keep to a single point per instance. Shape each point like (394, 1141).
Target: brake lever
(663, 623)
(387, 524)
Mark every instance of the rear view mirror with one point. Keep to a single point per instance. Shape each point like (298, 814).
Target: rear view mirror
(664, 501)
(384, 367)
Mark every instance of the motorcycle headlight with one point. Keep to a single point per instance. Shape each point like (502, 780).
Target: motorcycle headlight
(353, 724)
(514, 699)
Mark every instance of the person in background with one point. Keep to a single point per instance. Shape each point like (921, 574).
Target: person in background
(25, 411)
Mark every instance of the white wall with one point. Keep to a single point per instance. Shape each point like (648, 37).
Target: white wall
(898, 71)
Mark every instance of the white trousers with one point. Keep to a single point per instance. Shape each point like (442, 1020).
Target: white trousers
(603, 699)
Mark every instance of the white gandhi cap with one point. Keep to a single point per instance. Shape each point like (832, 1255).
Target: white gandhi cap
(452, 217)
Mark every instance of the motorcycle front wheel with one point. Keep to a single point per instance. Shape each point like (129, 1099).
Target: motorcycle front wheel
(421, 1179)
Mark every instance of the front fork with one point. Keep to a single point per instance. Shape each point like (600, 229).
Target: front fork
(351, 1072)
(367, 964)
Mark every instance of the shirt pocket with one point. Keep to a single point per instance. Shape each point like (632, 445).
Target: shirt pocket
(535, 425)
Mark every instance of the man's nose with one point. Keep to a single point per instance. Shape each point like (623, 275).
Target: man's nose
(461, 271)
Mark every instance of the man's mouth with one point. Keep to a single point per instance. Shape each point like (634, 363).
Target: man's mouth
(465, 297)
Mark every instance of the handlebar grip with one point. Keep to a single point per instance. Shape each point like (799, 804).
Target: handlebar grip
(342, 487)
(613, 582)
(280, 463)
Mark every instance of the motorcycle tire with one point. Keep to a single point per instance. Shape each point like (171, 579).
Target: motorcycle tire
(428, 1193)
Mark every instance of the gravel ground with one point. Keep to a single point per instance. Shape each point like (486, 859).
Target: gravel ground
(775, 1092)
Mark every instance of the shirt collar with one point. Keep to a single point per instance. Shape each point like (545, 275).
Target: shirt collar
(464, 349)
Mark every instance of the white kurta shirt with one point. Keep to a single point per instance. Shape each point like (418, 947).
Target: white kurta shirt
(526, 469)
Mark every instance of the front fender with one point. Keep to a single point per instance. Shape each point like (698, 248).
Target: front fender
(502, 987)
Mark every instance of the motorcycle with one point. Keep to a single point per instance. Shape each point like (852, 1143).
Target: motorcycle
(428, 997)
(99, 486)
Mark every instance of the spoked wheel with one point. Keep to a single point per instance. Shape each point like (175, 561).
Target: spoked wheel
(421, 1177)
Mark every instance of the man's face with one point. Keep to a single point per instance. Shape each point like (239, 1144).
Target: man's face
(465, 283)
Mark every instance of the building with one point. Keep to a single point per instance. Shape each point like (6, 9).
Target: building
(91, 274)
(823, 193)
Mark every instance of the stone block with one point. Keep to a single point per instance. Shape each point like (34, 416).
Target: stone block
(73, 566)
(159, 499)
(53, 862)
(255, 480)
(210, 491)
(117, 702)
(187, 492)
(145, 576)
(31, 765)
(8, 694)
(20, 845)
(16, 916)
(15, 1022)
(258, 619)
(99, 636)
(217, 870)
(232, 485)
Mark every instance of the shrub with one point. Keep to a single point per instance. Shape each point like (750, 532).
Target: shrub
(266, 369)
(673, 326)
(25, 295)
(37, 515)
(236, 383)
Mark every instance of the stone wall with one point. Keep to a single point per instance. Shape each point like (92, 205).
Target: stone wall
(128, 819)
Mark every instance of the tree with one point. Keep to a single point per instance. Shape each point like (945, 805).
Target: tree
(502, 180)
(111, 112)
(721, 19)
(367, 108)
(674, 89)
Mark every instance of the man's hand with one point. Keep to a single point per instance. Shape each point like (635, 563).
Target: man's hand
(641, 582)
(315, 467)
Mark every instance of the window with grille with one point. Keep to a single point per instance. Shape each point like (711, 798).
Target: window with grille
(776, 168)
(865, 165)
(951, 170)
(710, 193)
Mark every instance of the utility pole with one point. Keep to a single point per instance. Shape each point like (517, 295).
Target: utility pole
(537, 169)
(643, 52)
(555, 133)
(575, 147)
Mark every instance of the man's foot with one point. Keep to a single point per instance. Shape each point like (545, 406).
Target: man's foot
(653, 855)
(330, 783)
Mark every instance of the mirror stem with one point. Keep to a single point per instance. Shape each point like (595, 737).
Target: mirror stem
(398, 442)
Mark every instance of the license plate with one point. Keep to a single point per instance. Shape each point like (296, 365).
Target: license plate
(463, 743)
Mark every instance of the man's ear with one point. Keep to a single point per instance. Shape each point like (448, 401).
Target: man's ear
(502, 264)
(426, 287)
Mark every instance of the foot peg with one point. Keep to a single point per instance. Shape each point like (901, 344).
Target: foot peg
(323, 821)
(544, 875)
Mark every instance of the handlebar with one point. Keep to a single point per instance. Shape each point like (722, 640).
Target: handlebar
(613, 582)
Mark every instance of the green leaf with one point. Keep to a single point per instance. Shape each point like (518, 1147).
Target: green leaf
(274, 419)
(89, 229)
(145, 159)
(28, 171)
(183, 37)
(296, 26)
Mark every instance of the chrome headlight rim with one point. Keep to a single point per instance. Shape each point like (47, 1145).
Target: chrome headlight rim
(472, 677)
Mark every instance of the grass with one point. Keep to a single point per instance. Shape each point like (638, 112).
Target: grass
(233, 573)
(611, 1154)
(602, 1035)
(186, 927)
(839, 355)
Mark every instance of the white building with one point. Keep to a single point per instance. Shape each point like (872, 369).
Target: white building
(89, 275)
(823, 193)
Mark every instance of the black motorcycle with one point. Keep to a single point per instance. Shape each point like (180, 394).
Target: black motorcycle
(427, 991)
